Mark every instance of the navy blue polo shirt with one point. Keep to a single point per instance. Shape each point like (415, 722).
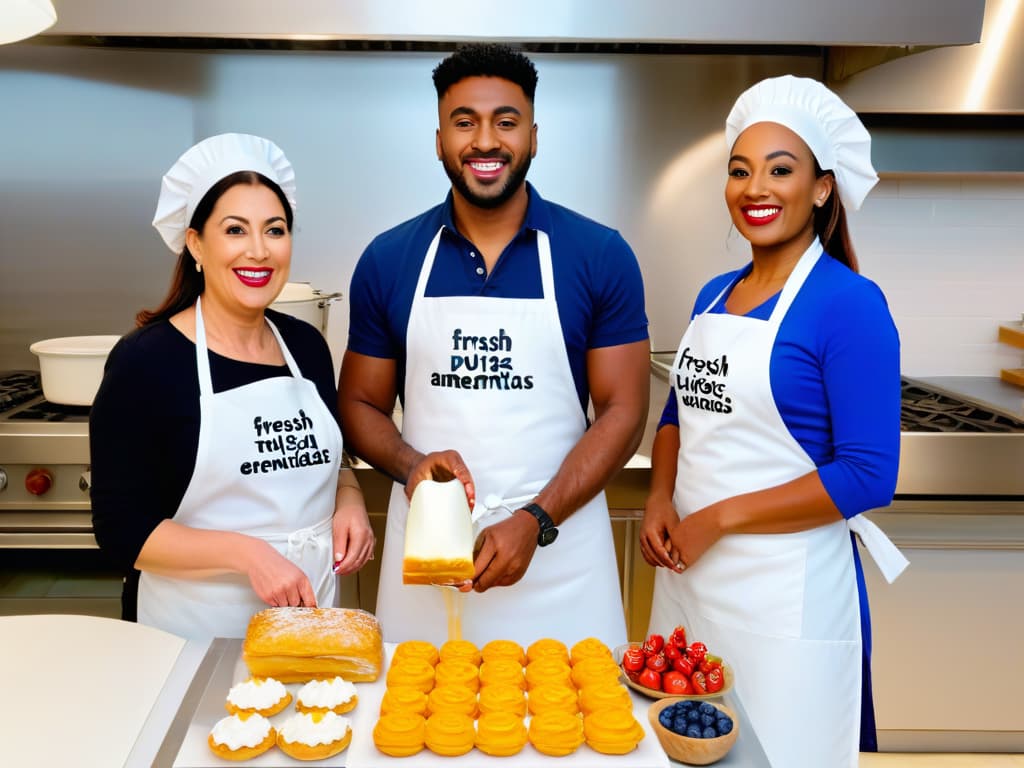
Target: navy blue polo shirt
(598, 286)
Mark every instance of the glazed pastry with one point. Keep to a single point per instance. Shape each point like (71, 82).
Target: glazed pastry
(503, 649)
(460, 649)
(612, 731)
(404, 698)
(296, 645)
(548, 670)
(314, 735)
(556, 733)
(417, 649)
(500, 734)
(595, 697)
(450, 734)
(502, 672)
(259, 695)
(547, 646)
(596, 670)
(588, 647)
(415, 673)
(458, 672)
(399, 734)
(554, 697)
(337, 696)
(452, 698)
(242, 736)
(502, 698)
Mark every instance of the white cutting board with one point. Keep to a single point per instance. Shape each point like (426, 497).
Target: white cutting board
(361, 753)
(77, 689)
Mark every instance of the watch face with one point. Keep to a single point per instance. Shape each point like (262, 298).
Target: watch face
(547, 536)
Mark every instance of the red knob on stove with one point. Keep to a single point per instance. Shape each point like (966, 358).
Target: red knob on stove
(38, 481)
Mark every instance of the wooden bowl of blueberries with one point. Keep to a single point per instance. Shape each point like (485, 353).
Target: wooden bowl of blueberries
(693, 732)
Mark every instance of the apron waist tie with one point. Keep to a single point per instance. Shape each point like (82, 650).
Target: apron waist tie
(493, 503)
(887, 557)
(298, 540)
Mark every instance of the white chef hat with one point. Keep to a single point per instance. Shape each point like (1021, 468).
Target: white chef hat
(202, 166)
(832, 130)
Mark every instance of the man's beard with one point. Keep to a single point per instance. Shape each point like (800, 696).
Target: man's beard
(516, 177)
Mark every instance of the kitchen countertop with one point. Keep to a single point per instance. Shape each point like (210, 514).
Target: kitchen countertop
(126, 694)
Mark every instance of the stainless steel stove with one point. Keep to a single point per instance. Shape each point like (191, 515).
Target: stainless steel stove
(50, 561)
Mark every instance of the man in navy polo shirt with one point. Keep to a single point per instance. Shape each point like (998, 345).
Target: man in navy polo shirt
(495, 317)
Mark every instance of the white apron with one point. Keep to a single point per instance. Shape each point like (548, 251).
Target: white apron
(245, 479)
(782, 609)
(513, 433)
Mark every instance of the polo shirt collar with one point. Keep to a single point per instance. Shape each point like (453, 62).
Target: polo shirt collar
(538, 217)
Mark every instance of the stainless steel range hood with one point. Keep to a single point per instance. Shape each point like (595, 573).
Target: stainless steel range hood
(729, 22)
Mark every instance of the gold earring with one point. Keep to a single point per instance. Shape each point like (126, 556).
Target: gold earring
(199, 267)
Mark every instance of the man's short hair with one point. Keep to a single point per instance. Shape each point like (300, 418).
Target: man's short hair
(486, 60)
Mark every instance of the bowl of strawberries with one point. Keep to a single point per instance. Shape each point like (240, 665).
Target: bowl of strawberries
(663, 666)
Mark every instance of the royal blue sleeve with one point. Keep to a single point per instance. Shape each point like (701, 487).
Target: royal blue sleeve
(369, 330)
(619, 314)
(861, 376)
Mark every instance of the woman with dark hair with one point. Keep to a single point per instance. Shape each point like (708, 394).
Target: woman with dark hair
(782, 427)
(216, 450)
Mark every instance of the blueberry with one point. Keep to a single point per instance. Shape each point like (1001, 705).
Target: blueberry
(679, 724)
(693, 732)
(707, 720)
(724, 724)
(665, 717)
(707, 709)
(685, 705)
(709, 733)
(693, 716)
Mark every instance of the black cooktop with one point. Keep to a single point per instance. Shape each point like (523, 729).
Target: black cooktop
(929, 410)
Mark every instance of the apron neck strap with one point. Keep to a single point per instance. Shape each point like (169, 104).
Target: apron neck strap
(203, 352)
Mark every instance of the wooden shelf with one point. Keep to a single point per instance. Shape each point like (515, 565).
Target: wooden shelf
(1012, 333)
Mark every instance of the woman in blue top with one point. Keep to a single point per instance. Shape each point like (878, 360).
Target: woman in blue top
(781, 428)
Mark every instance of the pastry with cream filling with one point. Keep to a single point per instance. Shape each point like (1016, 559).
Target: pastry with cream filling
(336, 695)
(314, 735)
(242, 736)
(260, 695)
(612, 731)
(400, 734)
(296, 645)
(438, 535)
(500, 734)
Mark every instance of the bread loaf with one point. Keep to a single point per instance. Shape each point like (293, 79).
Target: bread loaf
(296, 645)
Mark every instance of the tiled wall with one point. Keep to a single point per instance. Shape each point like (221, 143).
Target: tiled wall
(949, 253)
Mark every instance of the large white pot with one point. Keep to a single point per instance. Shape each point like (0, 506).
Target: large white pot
(71, 368)
(303, 301)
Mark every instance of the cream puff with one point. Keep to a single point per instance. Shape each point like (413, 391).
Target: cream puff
(337, 696)
(314, 735)
(261, 695)
(400, 734)
(556, 733)
(241, 736)
(450, 734)
(500, 734)
(612, 731)
(404, 698)
(503, 649)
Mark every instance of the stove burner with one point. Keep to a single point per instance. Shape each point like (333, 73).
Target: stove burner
(18, 387)
(47, 411)
(925, 410)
